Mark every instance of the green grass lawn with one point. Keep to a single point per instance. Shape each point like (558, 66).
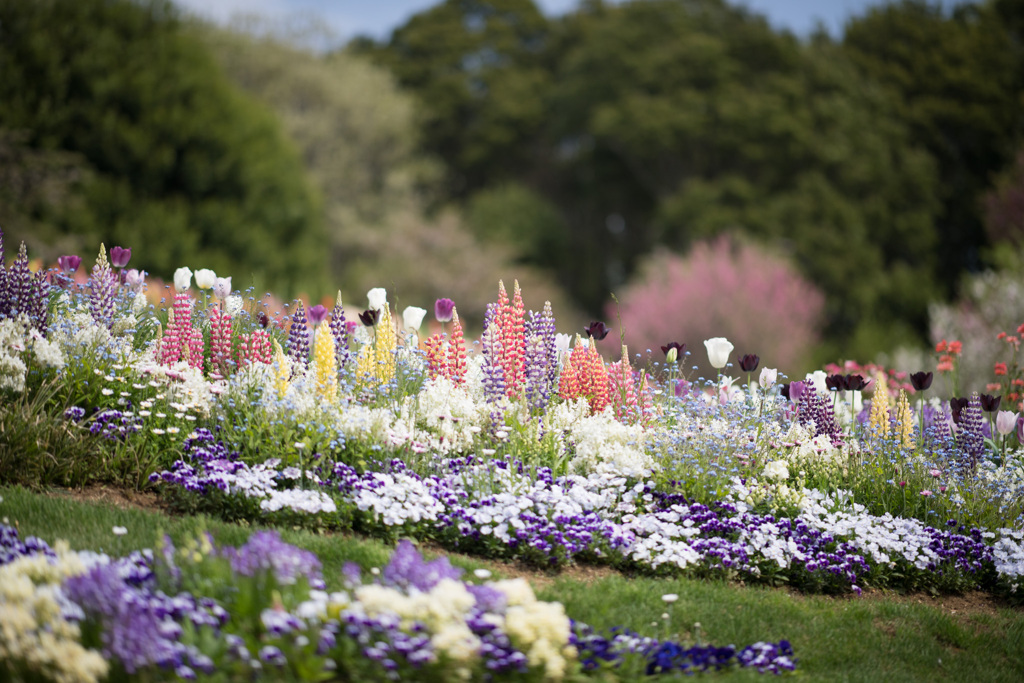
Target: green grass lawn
(877, 637)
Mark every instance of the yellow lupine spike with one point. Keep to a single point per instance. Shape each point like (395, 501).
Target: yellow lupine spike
(325, 363)
(281, 370)
(879, 423)
(905, 420)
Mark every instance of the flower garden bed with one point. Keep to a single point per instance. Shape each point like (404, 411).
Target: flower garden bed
(526, 446)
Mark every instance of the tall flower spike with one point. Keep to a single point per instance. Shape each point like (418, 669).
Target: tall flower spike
(102, 288)
(879, 420)
(325, 362)
(4, 294)
(905, 421)
(512, 330)
(456, 365)
(340, 331)
(282, 370)
(298, 338)
(622, 390)
(173, 345)
(971, 436)
(541, 357)
(220, 342)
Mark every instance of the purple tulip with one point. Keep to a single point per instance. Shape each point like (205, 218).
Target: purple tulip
(921, 380)
(369, 317)
(70, 263)
(956, 407)
(316, 314)
(119, 256)
(990, 403)
(856, 382)
(1020, 429)
(796, 390)
(443, 309)
(680, 349)
(597, 329)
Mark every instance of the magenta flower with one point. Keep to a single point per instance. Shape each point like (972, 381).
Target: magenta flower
(443, 309)
(119, 256)
(316, 314)
(69, 263)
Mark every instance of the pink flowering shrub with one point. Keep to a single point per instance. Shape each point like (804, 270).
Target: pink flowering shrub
(721, 289)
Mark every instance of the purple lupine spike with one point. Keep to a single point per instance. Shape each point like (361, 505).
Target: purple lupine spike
(102, 288)
(494, 375)
(971, 437)
(19, 284)
(38, 311)
(339, 330)
(817, 411)
(298, 337)
(541, 357)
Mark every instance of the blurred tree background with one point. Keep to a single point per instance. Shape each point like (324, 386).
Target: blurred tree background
(482, 139)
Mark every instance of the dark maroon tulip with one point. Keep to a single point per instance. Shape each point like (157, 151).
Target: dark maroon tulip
(748, 362)
(990, 403)
(369, 317)
(680, 349)
(69, 264)
(956, 407)
(443, 309)
(597, 329)
(119, 256)
(856, 382)
(921, 380)
(262, 319)
(835, 383)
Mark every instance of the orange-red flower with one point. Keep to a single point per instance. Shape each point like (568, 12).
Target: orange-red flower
(1000, 369)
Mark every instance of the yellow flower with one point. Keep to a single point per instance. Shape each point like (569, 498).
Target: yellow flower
(879, 423)
(325, 363)
(281, 370)
(905, 420)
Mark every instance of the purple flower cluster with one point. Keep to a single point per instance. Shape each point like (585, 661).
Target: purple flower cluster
(541, 357)
(265, 551)
(103, 284)
(12, 547)
(971, 436)
(597, 651)
(817, 412)
(114, 425)
(339, 330)
(140, 626)
(23, 292)
(298, 337)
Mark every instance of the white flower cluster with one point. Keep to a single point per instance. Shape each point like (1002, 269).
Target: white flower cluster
(1008, 553)
(300, 500)
(603, 444)
(33, 631)
(12, 346)
(397, 499)
(451, 417)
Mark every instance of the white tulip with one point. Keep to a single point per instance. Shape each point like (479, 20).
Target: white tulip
(412, 318)
(182, 279)
(719, 349)
(378, 297)
(205, 278)
(222, 287)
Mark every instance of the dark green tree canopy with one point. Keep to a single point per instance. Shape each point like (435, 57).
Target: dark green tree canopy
(180, 164)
